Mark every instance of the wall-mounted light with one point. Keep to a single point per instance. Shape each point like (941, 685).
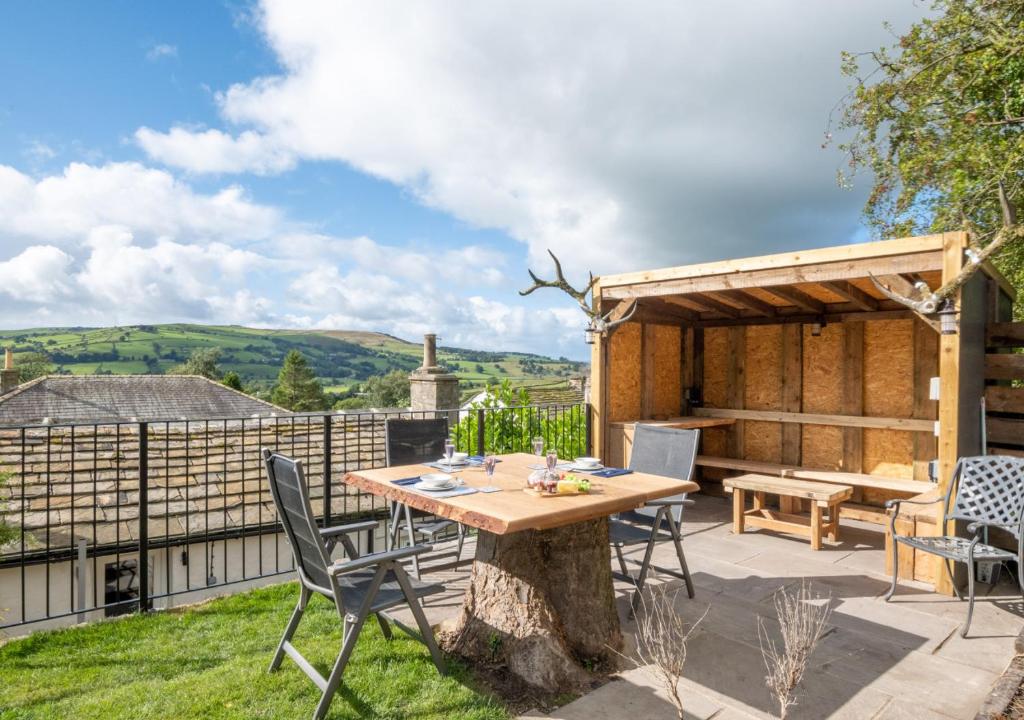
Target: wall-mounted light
(590, 334)
(816, 328)
(947, 313)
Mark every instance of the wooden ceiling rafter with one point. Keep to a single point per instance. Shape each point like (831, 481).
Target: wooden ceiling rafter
(797, 298)
(748, 302)
(852, 293)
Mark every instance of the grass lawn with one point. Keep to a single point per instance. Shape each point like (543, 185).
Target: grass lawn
(211, 661)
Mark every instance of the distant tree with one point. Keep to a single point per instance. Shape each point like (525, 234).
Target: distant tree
(33, 365)
(480, 369)
(354, 402)
(297, 387)
(232, 380)
(202, 362)
(390, 390)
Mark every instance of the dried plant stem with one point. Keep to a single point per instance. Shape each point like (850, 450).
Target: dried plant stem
(801, 624)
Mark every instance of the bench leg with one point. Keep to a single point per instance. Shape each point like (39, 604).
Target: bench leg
(788, 505)
(815, 526)
(739, 505)
(833, 525)
(758, 500)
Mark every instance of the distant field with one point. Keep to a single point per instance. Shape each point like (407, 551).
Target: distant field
(339, 357)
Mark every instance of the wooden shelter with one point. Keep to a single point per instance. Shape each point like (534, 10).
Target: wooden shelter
(796, 364)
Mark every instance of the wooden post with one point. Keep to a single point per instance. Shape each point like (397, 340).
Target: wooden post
(853, 394)
(647, 350)
(739, 506)
(792, 368)
(598, 388)
(949, 385)
(926, 356)
(736, 385)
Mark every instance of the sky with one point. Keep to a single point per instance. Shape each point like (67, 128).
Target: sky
(397, 166)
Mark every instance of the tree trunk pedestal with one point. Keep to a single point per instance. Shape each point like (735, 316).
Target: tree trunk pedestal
(541, 603)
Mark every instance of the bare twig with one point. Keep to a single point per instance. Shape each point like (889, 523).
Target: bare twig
(801, 623)
(661, 638)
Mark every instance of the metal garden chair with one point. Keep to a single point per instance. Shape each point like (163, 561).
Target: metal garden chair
(669, 452)
(358, 586)
(989, 494)
(409, 442)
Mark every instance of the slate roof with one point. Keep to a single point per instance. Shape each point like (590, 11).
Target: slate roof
(95, 398)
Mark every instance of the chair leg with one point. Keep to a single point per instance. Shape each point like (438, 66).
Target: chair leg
(421, 619)
(385, 626)
(895, 568)
(462, 539)
(289, 630)
(642, 577)
(396, 526)
(411, 535)
(622, 560)
(970, 597)
(677, 540)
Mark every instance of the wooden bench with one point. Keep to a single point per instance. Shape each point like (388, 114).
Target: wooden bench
(898, 487)
(822, 496)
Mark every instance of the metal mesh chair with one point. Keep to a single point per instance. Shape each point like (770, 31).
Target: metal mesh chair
(669, 452)
(410, 442)
(358, 586)
(989, 494)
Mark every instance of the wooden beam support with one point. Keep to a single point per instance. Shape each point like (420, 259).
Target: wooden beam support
(926, 366)
(853, 395)
(709, 304)
(798, 298)
(857, 421)
(792, 391)
(839, 317)
(1005, 335)
(852, 293)
(748, 301)
(647, 340)
(736, 384)
(658, 306)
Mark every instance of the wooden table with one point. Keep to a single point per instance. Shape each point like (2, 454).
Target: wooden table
(821, 496)
(540, 600)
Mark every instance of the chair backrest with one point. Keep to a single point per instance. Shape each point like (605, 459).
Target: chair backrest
(989, 488)
(291, 496)
(670, 452)
(414, 441)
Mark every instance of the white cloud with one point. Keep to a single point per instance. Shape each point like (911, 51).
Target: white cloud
(38, 274)
(39, 151)
(213, 151)
(161, 50)
(622, 136)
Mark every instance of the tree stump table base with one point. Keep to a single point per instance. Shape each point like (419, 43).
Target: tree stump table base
(541, 603)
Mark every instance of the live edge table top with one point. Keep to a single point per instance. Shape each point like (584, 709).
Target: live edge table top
(512, 510)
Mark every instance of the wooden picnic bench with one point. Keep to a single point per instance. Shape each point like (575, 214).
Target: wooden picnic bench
(822, 497)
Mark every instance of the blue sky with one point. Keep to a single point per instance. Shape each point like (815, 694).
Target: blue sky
(398, 166)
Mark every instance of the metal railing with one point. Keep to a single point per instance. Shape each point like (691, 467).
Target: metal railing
(119, 517)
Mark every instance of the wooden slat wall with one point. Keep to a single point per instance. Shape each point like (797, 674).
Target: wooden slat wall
(1004, 403)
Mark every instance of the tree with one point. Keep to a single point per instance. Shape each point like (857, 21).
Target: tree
(938, 118)
(297, 387)
(33, 365)
(232, 380)
(388, 391)
(201, 362)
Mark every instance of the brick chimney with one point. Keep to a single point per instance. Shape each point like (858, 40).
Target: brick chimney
(9, 375)
(431, 387)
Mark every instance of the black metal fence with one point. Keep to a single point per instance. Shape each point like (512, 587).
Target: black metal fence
(111, 518)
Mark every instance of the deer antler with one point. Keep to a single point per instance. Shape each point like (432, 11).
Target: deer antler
(560, 283)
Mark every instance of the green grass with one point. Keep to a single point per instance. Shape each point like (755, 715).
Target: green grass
(211, 661)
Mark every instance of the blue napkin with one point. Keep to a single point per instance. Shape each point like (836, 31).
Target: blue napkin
(611, 472)
(479, 459)
(407, 481)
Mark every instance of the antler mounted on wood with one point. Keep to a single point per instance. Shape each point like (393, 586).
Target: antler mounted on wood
(598, 322)
(925, 301)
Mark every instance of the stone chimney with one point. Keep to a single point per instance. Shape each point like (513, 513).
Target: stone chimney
(9, 375)
(432, 387)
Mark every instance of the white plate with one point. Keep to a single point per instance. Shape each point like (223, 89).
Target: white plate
(455, 462)
(586, 468)
(442, 478)
(434, 488)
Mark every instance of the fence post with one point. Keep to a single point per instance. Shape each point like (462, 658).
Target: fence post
(480, 418)
(590, 428)
(327, 470)
(143, 517)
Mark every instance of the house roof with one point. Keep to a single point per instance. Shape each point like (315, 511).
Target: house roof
(560, 393)
(94, 398)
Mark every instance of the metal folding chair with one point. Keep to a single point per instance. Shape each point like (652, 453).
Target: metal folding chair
(989, 494)
(358, 586)
(409, 442)
(669, 452)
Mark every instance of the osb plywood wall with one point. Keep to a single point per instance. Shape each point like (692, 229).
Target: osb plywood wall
(644, 372)
(839, 374)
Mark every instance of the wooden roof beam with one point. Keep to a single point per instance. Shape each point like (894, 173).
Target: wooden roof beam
(798, 298)
(659, 308)
(711, 305)
(748, 302)
(852, 293)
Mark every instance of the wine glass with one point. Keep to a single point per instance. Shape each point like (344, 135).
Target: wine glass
(552, 458)
(449, 451)
(538, 445)
(489, 462)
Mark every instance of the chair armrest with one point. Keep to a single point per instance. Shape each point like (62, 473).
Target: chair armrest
(895, 503)
(975, 527)
(667, 501)
(346, 566)
(350, 528)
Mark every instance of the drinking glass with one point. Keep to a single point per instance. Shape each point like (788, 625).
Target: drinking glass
(538, 445)
(552, 460)
(449, 450)
(489, 462)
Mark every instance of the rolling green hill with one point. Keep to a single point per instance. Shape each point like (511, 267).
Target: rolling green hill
(340, 358)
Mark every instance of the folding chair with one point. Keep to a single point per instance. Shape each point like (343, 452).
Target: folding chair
(669, 452)
(989, 494)
(410, 442)
(358, 586)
